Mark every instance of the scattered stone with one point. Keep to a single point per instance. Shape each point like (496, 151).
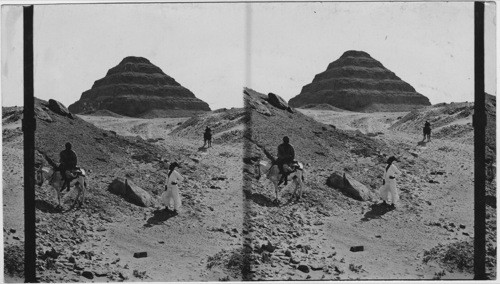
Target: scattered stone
(100, 273)
(293, 260)
(268, 247)
(349, 186)
(462, 226)
(316, 266)
(87, 274)
(378, 236)
(131, 192)
(288, 253)
(357, 248)
(71, 259)
(59, 108)
(12, 231)
(318, 223)
(304, 268)
(140, 254)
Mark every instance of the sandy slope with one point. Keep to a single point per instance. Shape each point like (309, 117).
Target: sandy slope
(404, 234)
(102, 236)
(436, 208)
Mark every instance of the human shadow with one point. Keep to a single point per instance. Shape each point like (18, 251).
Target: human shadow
(377, 211)
(422, 143)
(47, 207)
(159, 216)
(260, 199)
(202, 149)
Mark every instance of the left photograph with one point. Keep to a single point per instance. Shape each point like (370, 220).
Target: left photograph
(138, 142)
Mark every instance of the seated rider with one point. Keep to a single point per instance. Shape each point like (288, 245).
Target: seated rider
(286, 155)
(67, 163)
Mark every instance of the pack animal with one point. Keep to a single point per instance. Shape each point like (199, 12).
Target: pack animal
(56, 181)
(296, 174)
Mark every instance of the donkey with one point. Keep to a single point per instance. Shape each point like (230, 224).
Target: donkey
(56, 182)
(297, 176)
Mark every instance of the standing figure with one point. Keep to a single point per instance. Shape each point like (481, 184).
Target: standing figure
(171, 195)
(67, 160)
(389, 187)
(207, 137)
(286, 155)
(427, 131)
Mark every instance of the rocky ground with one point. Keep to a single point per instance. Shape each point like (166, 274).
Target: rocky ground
(224, 233)
(97, 242)
(428, 236)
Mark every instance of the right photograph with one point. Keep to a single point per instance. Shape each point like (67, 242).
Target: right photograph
(359, 151)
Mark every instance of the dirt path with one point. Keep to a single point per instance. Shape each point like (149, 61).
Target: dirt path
(179, 247)
(436, 208)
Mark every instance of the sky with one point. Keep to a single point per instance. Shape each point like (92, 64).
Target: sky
(215, 50)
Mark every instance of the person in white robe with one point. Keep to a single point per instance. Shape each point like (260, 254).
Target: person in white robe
(389, 189)
(171, 197)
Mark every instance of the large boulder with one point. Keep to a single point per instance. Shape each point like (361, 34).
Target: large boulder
(40, 113)
(349, 186)
(131, 192)
(256, 101)
(277, 101)
(136, 87)
(59, 108)
(358, 82)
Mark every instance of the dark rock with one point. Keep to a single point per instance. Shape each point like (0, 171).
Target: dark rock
(256, 104)
(357, 248)
(131, 192)
(71, 259)
(50, 253)
(288, 253)
(100, 273)
(357, 82)
(88, 274)
(316, 266)
(268, 247)
(277, 101)
(140, 254)
(304, 268)
(462, 226)
(59, 108)
(349, 186)
(136, 87)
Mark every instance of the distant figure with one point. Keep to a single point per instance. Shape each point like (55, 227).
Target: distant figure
(207, 137)
(286, 155)
(389, 186)
(427, 131)
(67, 160)
(171, 194)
